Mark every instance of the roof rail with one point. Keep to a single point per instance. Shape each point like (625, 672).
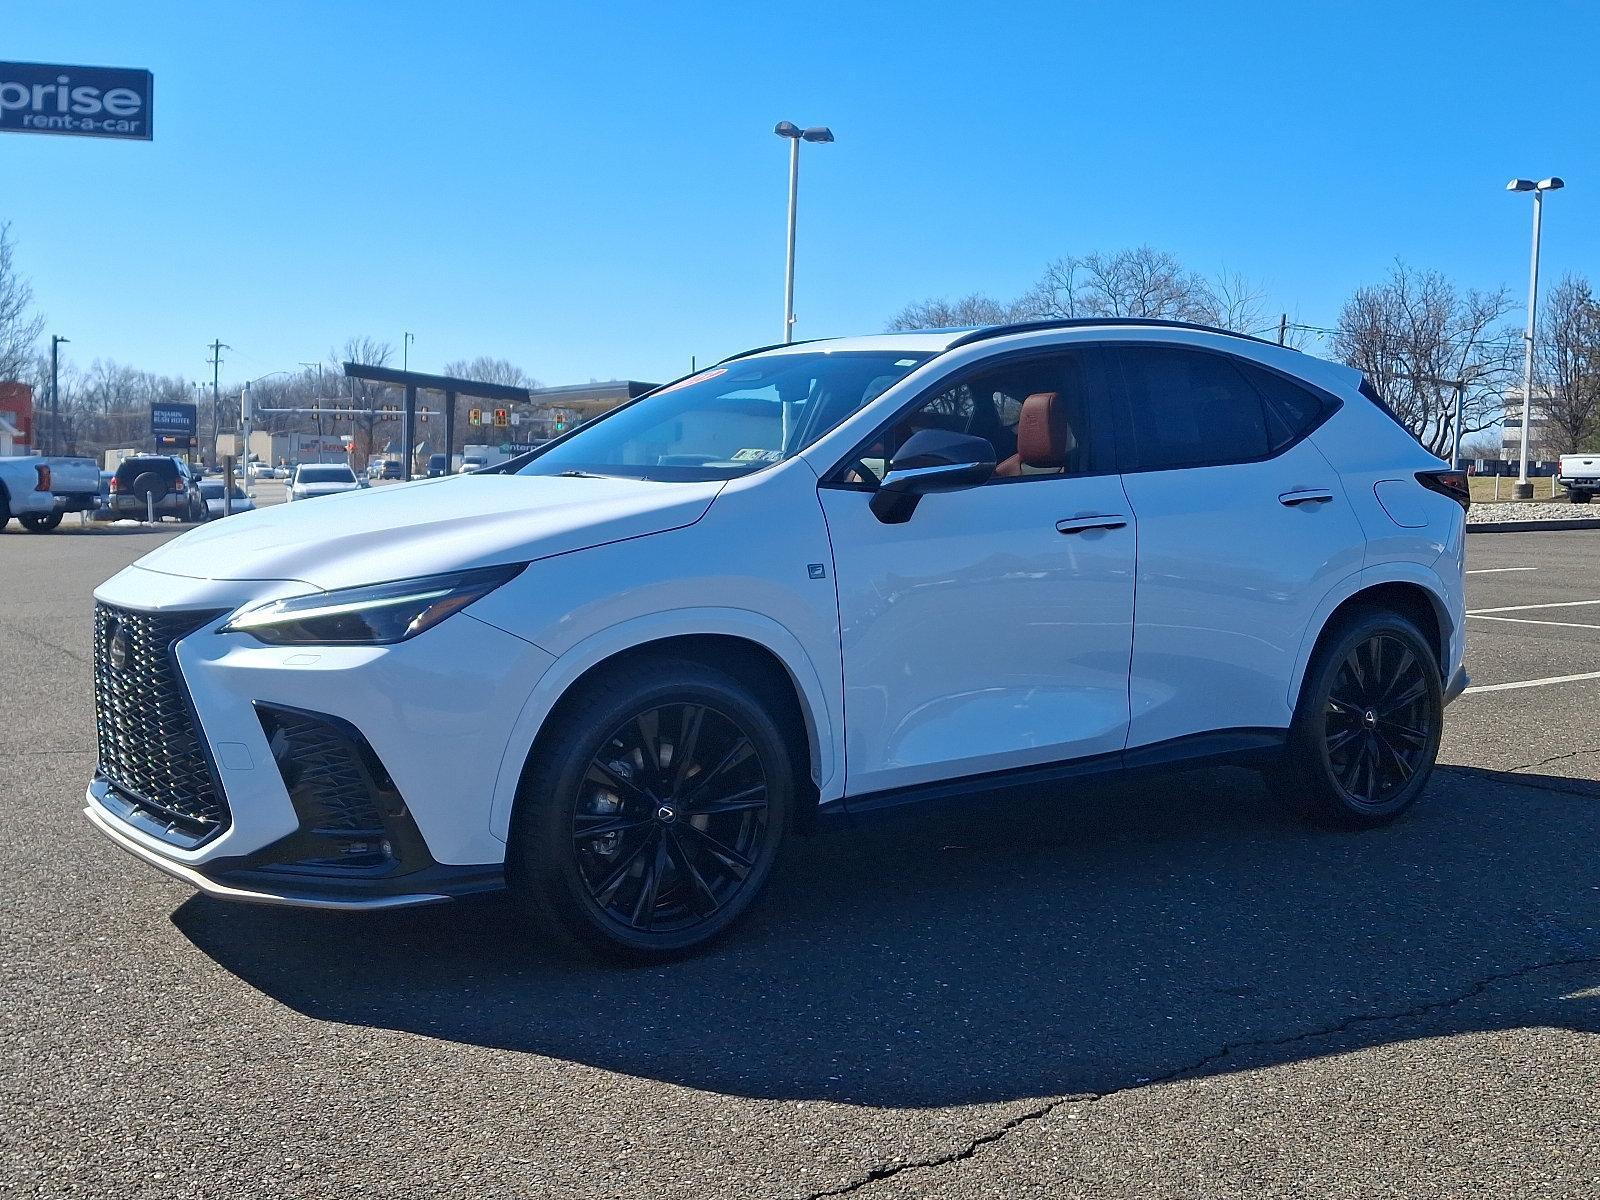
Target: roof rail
(994, 331)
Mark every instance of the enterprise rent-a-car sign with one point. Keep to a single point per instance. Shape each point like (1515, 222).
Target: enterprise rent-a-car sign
(109, 102)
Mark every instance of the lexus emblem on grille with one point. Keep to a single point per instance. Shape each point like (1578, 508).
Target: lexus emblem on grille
(118, 653)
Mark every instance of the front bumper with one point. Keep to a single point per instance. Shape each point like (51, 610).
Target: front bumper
(432, 717)
(1458, 684)
(426, 887)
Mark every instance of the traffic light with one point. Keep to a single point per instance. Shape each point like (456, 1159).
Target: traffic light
(502, 418)
(475, 416)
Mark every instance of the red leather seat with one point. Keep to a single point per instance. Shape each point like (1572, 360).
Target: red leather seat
(1044, 438)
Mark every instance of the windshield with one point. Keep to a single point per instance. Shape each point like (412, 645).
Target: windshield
(326, 475)
(732, 419)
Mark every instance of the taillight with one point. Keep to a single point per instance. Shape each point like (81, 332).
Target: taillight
(44, 479)
(1448, 483)
(116, 484)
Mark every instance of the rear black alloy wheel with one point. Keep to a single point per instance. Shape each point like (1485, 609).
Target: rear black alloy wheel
(1367, 730)
(649, 825)
(670, 818)
(1378, 725)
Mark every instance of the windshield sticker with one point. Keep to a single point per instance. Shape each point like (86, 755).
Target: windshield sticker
(759, 455)
(700, 378)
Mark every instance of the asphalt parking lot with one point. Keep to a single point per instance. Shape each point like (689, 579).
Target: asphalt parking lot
(1173, 989)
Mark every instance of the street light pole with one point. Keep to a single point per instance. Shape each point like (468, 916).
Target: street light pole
(1524, 487)
(819, 133)
(788, 262)
(55, 392)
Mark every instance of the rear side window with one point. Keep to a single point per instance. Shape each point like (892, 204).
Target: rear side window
(1292, 411)
(1191, 409)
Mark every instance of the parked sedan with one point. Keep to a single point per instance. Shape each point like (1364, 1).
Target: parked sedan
(314, 479)
(211, 491)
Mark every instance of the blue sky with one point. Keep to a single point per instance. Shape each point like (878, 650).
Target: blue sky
(594, 190)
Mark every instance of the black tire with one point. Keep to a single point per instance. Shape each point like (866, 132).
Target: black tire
(1582, 497)
(40, 523)
(1366, 731)
(681, 853)
(5, 510)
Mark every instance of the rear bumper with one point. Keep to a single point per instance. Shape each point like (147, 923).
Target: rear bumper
(1458, 684)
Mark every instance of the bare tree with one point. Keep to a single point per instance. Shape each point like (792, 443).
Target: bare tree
(364, 396)
(1145, 282)
(485, 369)
(1414, 335)
(19, 326)
(1141, 282)
(976, 309)
(1568, 357)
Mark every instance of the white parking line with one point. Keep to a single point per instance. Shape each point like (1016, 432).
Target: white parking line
(1531, 621)
(1528, 683)
(1499, 570)
(1478, 612)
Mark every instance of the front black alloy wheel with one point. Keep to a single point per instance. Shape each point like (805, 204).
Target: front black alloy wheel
(671, 817)
(650, 820)
(1366, 733)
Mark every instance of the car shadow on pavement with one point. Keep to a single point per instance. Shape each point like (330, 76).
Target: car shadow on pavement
(1074, 944)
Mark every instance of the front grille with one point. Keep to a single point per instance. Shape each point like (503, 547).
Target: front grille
(150, 748)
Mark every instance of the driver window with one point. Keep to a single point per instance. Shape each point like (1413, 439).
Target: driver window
(1034, 412)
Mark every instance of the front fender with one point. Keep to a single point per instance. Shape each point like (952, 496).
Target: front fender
(821, 708)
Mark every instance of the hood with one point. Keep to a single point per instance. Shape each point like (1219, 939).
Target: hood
(433, 525)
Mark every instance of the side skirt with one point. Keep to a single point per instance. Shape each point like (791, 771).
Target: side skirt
(1231, 747)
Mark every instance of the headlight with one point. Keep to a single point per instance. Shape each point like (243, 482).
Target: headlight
(378, 615)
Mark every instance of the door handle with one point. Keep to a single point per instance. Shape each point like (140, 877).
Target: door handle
(1081, 524)
(1305, 496)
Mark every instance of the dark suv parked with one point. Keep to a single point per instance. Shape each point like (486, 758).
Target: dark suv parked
(168, 483)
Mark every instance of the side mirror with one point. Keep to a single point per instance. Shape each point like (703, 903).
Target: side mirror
(932, 460)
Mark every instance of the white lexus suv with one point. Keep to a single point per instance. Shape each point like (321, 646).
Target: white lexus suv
(816, 580)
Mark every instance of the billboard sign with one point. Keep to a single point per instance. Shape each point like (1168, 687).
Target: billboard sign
(173, 426)
(104, 102)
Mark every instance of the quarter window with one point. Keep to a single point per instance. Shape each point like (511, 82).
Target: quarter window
(1192, 409)
(1292, 411)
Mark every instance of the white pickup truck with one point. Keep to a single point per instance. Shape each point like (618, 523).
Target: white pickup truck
(1580, 475)
(38, 490)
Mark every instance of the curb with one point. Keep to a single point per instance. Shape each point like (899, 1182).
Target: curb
(1535, 526)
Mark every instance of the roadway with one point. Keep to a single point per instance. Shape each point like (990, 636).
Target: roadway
(1169, 990)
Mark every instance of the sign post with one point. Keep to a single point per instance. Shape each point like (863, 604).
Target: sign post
(102, 102)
